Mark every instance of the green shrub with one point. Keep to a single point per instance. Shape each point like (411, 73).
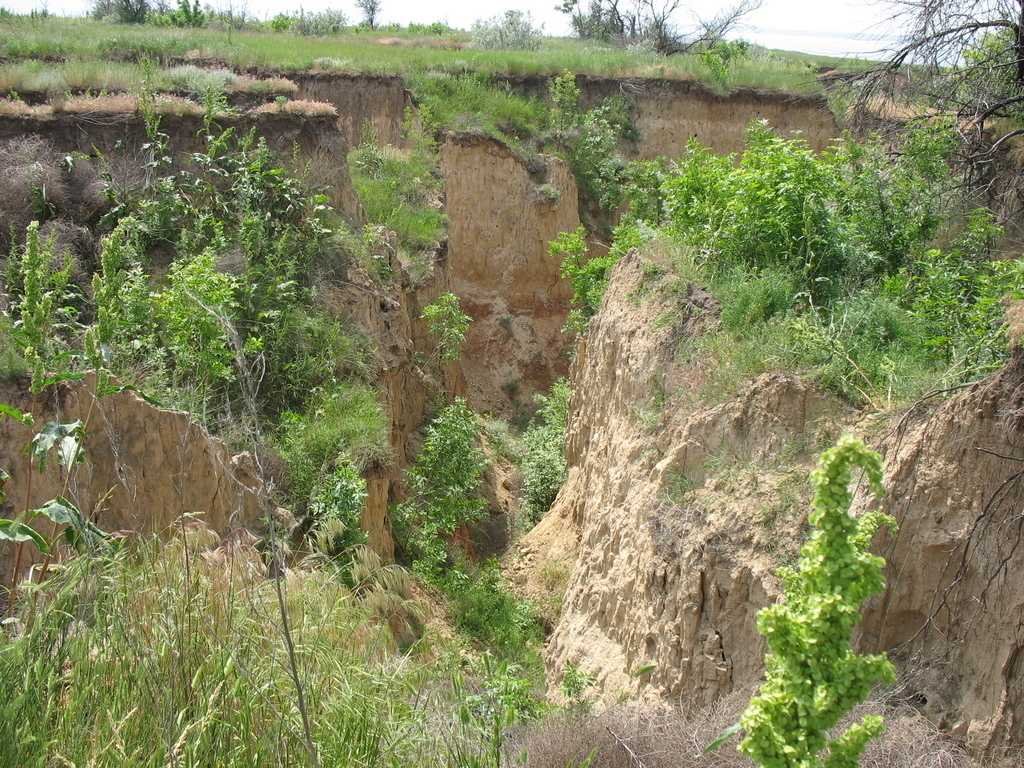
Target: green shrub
(448, 324)
(342, 423)
(484, 608)
(195, 315)
(443, 488)
(957, 296)
(813, 677)
(513, 32)
(544, 463)
(591, 141)
(328, 22)
(37, 284)
(587, 275)
(336, 510)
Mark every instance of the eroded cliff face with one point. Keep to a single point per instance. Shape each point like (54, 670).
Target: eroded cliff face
(672, 112)
(666, 579)
(952, 616)
(375, 102)
(675, 517)
(501, 225)
(117, 139)
(146, 469)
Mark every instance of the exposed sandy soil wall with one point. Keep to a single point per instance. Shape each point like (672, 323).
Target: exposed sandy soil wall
(671, 112)
(671, 582)
(119, 137)
(145, 470)
(379, 101)
(953, 613)
(501, 224)
(674, 519)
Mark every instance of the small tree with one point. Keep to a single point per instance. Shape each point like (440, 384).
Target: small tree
(131, 11)
(652, 23)
(371, 10)
(514, 32)
(449, 324)
(813, 676)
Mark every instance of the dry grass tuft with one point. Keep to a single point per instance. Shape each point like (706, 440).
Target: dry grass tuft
(113, 103)
(1015, 323)
(31, 178)
(176, 105)
(663, 737)
(249, 84)
(297, 107)
(18, 107)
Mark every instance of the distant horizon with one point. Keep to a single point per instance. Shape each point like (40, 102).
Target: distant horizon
(838, 29)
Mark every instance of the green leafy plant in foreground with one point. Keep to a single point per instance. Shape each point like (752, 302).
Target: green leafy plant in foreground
(449, 324)
(544, 462)
(443, 486)
(813, 676)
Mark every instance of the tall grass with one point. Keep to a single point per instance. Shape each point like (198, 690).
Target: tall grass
(353, 51)
(401, 189)
(172, 655)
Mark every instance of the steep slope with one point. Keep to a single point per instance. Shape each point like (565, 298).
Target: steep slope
(672, 579)
(953, 613)
(675, 516)
(145, 469)
(501, 224)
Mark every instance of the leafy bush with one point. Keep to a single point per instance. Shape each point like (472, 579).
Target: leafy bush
(449, 324)
(442, 488)
(513, 32)
(591, 140)
(195, 315)
(813, 676)
(957, 295)
(832, 220)
(37, 286)
(544, 464)
(336, 509)
(587, 275)
(328, 22)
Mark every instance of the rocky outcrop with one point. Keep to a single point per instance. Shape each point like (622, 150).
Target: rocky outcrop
(667, 579)
(952, 616)
(146, 469)
(501, 224)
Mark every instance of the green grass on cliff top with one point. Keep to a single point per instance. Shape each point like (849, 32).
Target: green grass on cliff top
(78, 43)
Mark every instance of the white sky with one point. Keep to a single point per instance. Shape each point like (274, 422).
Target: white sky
(819, 27)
